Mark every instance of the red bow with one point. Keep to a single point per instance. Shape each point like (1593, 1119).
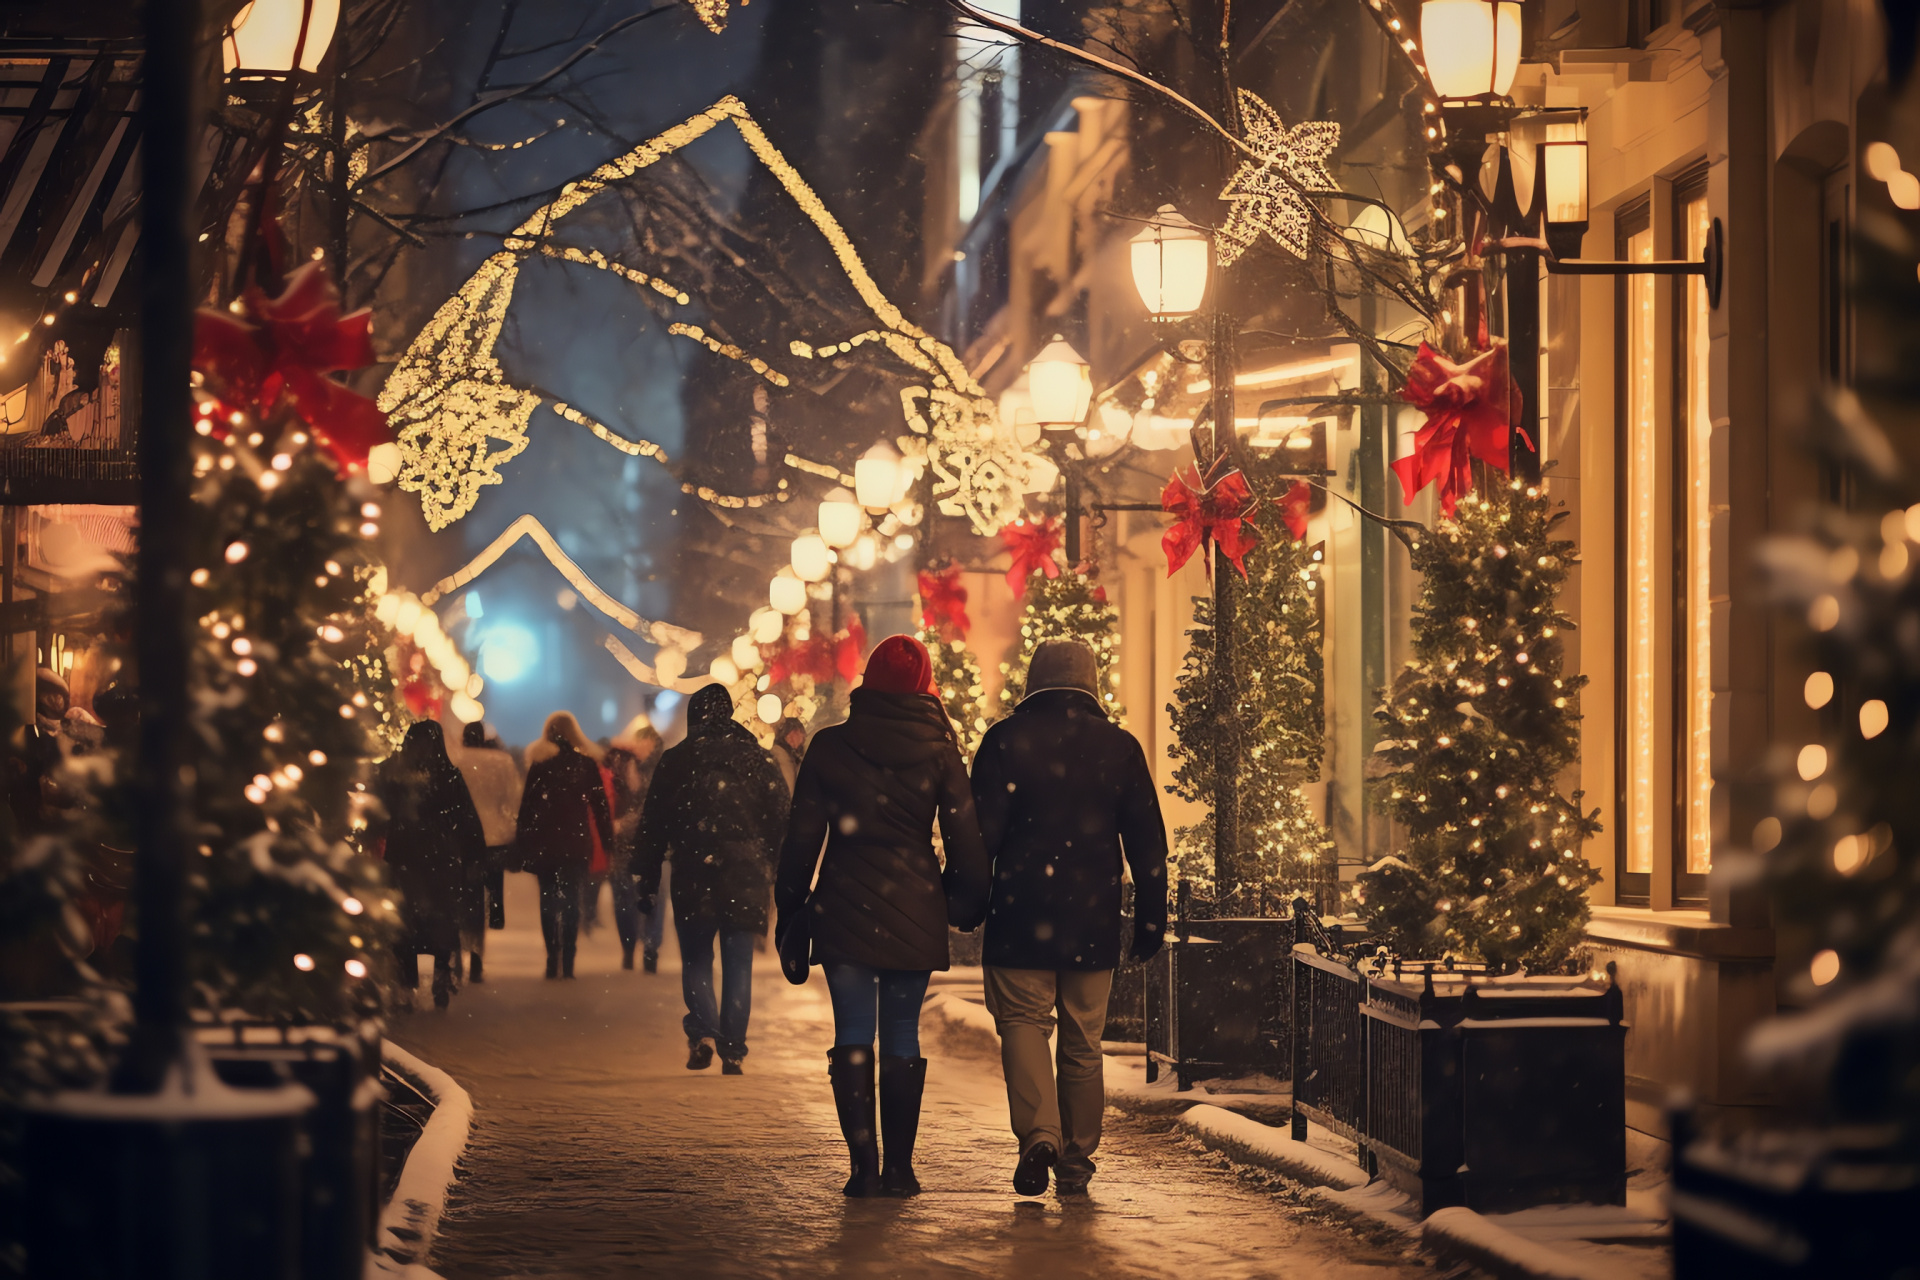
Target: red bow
(298, 337)
(1032, 544)
(1468, 416)
(1293, 508)
(1207, 513)
(817, 656)
(943, 603)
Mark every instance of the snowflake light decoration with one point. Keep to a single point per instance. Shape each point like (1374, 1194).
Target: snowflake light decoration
(978, 472)
(1265, 193)
(712, 14)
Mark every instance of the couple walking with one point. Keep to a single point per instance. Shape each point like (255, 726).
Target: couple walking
(1034, 843)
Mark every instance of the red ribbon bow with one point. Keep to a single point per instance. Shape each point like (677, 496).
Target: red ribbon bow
(1468, 416)
(296, 339)
(943, 603)
(818, 656)
(1207, 513)
(1293, 508)
(1032, 544)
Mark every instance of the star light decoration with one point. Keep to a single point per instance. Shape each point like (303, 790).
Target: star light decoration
(449, 402)
(1265, 194)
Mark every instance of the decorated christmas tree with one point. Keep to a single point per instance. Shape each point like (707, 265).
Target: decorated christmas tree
(956, 672)
(1476, 736)
(1060, 604)
(289, 919)
(1278, 725)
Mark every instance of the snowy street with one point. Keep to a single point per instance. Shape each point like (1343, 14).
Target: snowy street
(595, 1153)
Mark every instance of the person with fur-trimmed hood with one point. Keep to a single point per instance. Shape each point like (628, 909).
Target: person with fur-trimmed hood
(718, 808)
(563, 808)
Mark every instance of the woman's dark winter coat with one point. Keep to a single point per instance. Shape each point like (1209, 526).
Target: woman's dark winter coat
(433, 836)
(563, 807)
(717, 806)
(871, 789)
(1061, 791)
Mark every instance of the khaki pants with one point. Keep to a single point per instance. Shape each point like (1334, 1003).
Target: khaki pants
(1066, 1113)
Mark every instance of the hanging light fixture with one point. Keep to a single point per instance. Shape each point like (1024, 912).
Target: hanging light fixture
(840, 518)
(1061, 384)
(745, 653)
(1563, 161)
(811, 559)
(787, 594)
(265, 35)
(876, 477)
(1170, 262)
(765, 624)
(1471, 47)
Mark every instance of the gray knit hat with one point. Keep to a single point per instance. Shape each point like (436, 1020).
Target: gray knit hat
(1063, 664)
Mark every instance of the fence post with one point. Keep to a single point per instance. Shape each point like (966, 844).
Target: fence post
(1302, 1013)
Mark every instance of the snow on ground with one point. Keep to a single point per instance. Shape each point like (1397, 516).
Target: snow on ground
(594, 1153)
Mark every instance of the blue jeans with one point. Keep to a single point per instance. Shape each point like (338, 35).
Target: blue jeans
(727, 1024)
(883, 1001)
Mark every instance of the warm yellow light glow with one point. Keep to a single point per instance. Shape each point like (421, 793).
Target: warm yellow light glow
(1700, 511)
(1873, 718)
(264, 35)
(1169, 259)
(768, 708)
(787, 593)
(1470, 50)
(1566, 166)
(1811, 762)
(765, 624)
(745, 654)
(1643, 555)
(840, 517)
(1825, 967)
(1882, 161)
(1818, 690)
(1061, 384)
(810, 558)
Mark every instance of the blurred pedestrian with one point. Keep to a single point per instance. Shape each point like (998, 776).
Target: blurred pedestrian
(871, 790)
(433, 836)
(493, 780)
(563, 810)
(717, 807)
(789, 748)
(1063, 794)
(629, 765)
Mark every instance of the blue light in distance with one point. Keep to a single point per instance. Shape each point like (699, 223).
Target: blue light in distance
(508, 652)
(474, 608)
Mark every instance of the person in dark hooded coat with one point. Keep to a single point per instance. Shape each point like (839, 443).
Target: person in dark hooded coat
(433, 838)
(870, 791)
(562, 810)
(717, 807)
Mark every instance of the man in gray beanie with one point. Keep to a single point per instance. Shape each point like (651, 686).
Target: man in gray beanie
(1064, 795)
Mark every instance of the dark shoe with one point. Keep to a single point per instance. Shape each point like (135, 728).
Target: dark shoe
(699, 1055)
(902, 1083)
(850, 1067)
(475, 972)
(731, 1067)
(626, 955)
(1030, 1175)
(650, 960)
(566, 960)
(553, 963)
(1070, 1186)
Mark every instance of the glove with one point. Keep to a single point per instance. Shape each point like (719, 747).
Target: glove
(1146, 943)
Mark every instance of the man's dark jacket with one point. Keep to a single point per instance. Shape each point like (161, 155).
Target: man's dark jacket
(1063, 794)
(870, 790)
(719, 804)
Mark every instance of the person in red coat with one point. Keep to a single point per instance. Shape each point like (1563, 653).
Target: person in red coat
(562, 812)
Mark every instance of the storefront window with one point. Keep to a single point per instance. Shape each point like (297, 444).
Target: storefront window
(1642, 581)
(1694, 223)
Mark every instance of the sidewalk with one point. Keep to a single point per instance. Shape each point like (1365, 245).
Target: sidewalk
(1559, 1242)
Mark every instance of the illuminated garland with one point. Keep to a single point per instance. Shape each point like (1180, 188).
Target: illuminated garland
(820, 469)
(528, 526)
(449, 400)
(638, 448)
(712, 14)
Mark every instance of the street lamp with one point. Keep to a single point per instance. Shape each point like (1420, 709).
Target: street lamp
(877, 477)
(1563, 164)
(1170, 261)
(811, 559)
(1061, 384)
(1472, 47)
(268, 35)
(787, 594)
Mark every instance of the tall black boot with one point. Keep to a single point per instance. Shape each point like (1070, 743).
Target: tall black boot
(902, 1082)
(850, 1067)
(567, 946)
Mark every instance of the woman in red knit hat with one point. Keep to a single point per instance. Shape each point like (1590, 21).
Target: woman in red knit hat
(870, 791)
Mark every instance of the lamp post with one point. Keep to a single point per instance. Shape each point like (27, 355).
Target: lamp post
(1172, 260)
(1060, 383)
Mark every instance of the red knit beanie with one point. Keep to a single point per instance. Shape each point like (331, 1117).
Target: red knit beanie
(899, 664)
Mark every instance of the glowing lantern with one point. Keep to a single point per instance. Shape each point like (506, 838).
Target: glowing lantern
(1170, 260)
(1061, 384)
(266, 33)
(877, 482)
(1472, 47)
(840, 518)
(787, 593)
